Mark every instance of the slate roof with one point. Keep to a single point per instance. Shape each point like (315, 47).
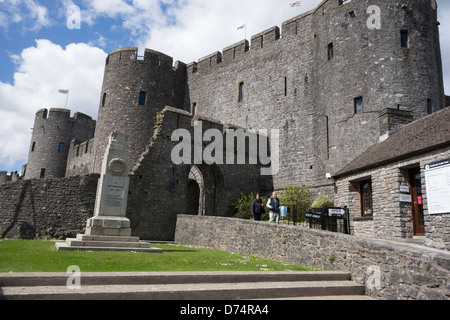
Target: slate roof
(418, 137)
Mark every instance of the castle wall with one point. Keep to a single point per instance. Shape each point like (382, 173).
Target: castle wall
(53, 132)
(81, 159)
(55, 208)
(159, 189)
(126, 77)
(291, 83)
(390, 270)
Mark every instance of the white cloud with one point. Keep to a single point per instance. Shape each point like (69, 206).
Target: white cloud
(42, 71)
(202, 27)
(33, 15)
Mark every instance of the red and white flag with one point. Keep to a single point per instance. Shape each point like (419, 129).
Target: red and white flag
(296, 4)
(242, 27)
(63, 91)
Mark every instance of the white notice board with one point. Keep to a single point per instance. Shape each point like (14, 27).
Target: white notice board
(437, 178)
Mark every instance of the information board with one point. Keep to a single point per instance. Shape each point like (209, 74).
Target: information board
(437, 178)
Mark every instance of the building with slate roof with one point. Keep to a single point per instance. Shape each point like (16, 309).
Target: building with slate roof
(399, 189)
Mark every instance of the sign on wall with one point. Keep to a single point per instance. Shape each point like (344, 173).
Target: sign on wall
(437, 178)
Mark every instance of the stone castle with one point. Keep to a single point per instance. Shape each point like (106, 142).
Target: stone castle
(329, 82)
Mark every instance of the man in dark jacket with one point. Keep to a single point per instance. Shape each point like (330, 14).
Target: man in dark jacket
(257, 208)
(274, 206)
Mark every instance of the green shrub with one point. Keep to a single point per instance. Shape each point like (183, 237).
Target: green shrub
(300, 197)
(322, 201)
(241, 209)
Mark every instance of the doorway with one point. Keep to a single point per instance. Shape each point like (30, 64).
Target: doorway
(415, 184)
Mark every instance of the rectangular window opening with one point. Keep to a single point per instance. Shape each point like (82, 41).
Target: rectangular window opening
(285, 86)
(358, 105)
(366, 198)
(42, 176)
(330, 51)
(61, 147)
(33, 147)
(241, 92)
(104, 99)
(142, 98)
(429, 106)
(404, 38)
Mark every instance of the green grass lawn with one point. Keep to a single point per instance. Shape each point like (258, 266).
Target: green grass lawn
(42, 256)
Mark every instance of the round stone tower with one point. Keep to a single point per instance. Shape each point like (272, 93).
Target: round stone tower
(134, 90)
(52, 133)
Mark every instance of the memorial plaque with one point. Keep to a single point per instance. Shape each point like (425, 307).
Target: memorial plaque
(112, 224)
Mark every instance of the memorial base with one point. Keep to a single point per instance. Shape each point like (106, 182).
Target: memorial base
(107, 234)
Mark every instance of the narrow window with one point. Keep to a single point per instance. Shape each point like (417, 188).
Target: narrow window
(358, 105)
(328, 136)
(142, 98)
(429, 106)
(285, 86)
(61, 147)
(194, 108)
(330, 51)
(42, 173)
(104, 99)
(366, 198)
(33, 147)
(241, 92)
(404, 38)
(87, 147)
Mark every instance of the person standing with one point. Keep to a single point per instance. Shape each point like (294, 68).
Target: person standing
(257, 208)
(274, 206)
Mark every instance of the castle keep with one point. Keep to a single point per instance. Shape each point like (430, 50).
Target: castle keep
(329, 83)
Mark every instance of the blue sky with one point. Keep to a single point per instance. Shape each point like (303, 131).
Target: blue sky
(39, 54)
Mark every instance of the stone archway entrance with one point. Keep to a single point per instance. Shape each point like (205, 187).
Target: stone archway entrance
(204, 190)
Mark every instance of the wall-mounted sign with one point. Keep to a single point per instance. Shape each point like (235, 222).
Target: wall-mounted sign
(437, 178)
(404, 189)
(405, 198)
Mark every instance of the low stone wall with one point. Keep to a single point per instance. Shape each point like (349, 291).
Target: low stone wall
(390, 270)
(56, 208)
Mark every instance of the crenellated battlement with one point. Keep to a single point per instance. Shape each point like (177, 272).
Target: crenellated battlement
(61, 114)
(151, 59)
(259, 41)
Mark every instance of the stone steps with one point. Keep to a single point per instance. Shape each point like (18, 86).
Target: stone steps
(106, 243)
(183, 286)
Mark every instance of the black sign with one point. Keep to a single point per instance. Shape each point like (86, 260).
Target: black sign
(314, 216)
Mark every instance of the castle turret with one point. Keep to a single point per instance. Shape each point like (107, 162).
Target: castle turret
(52, 133)
(134, 90)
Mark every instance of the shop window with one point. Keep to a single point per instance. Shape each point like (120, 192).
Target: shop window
(366, 198)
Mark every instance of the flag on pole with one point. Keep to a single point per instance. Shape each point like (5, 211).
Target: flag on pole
(296, 4)
(242, 27)
(63, 91)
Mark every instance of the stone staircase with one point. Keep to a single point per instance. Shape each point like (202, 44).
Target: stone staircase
(183, 286)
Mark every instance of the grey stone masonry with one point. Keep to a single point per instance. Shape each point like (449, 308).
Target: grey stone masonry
(389, 270)
(305, 78)
(46, 208)
(53, 132)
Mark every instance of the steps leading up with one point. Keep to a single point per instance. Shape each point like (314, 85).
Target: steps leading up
(106, 243)
(183, 286)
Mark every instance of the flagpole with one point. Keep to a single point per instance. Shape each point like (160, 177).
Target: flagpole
(67, 98)
(246, 30)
